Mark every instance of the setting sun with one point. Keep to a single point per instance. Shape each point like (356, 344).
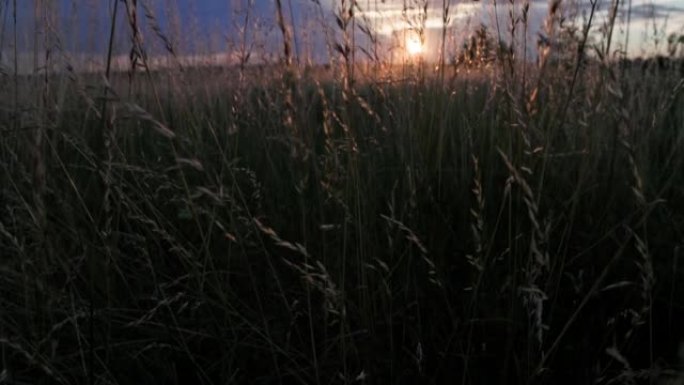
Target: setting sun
(414, 45)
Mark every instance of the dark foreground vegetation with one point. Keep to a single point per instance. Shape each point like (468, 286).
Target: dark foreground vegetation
(506, 224)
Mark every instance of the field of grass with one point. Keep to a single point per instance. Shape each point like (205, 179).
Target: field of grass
(496, 223)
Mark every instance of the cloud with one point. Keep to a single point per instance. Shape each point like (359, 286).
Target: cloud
(389, 17)
(657, 11)
(391, 21)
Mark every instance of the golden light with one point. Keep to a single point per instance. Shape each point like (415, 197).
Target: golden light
(414, 45)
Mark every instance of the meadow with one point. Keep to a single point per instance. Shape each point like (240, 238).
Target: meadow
(481, 219)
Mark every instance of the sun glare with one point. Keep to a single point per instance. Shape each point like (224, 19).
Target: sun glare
(414, 46)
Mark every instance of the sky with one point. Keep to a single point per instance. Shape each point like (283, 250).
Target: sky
(223, 27)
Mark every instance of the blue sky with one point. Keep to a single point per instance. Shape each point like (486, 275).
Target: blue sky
(206, 26)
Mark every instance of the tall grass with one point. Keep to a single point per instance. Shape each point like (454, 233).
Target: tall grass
(486, 220)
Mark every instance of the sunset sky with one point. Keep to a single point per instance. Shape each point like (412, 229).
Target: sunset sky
(201, 26)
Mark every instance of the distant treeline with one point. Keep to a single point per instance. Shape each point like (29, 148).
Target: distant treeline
(655, 64)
